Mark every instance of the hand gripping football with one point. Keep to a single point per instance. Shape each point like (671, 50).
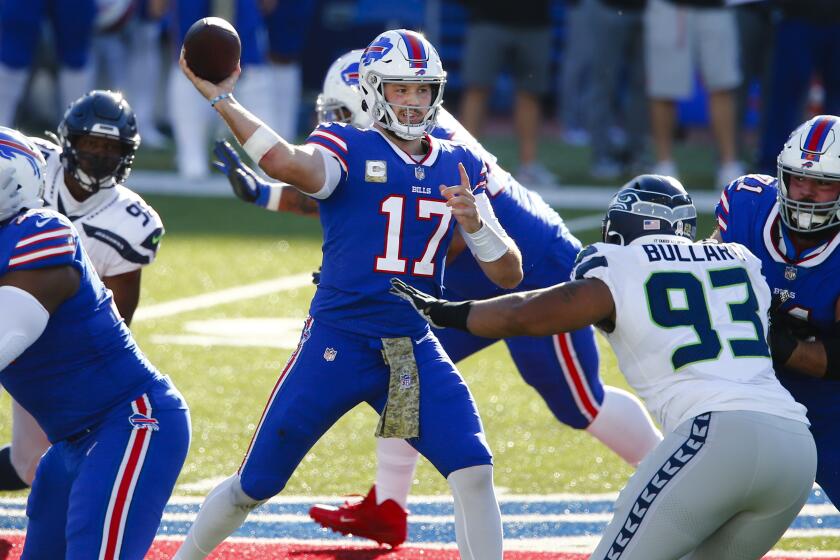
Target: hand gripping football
(212, 49)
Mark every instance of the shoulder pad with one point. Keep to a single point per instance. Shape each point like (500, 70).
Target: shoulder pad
(333, 137)
(40, 238)
(130, 226)
(47, 148)
(755, 183)
(745, 191)
(589, 258)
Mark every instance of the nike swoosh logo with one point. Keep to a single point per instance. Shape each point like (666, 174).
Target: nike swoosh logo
(156, 239)
(41, 223)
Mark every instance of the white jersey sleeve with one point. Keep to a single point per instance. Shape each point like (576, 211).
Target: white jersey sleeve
(691, 327)
(122, 236)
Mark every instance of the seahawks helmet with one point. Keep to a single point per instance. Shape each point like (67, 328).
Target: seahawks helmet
(649, 209)
(103, 114)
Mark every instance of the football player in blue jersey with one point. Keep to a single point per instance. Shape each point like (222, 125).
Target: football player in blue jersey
(562, 368)
(386, 210)
(791, 222)
(72, 23)
(119, 429)
(85, 180)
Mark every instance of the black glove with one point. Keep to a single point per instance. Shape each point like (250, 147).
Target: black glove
(781, 337)
(246, 184)
(439, 313)
(316, 276)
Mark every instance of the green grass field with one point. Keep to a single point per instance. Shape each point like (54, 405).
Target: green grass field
(213, 244)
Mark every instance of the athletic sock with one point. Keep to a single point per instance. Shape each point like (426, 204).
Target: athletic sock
(478, 521)
(395, 464)
(222, 512)
(624, 426)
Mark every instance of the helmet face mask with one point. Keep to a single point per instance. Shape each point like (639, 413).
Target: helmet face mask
(22, 169)
(811, 152)
(95, 116)
(340, 99)
(650, 209)
(407, 58)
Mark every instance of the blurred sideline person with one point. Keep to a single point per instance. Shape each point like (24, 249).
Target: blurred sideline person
(72, 23)
(791, 222)
(562, 368)
(119, 429)
(521, 39)
(385, 210)
(287, 25)
(193, 122)
(682, 37)
(85, 175)
(688, 323)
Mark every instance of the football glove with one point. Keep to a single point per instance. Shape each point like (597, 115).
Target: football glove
(785, 332)
(439, 313)
(781, 338)
(246, 184)
(316, 276)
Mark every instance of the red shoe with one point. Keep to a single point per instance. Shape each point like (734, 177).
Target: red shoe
(383, 523)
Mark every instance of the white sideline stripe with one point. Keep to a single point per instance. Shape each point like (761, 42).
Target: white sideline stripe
(810, 510)
(578, 197)
(280, 284)
(221, 297)
(584, 223)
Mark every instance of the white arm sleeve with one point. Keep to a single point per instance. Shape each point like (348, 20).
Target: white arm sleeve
(332, 176)
(22, 321)
(488, 216)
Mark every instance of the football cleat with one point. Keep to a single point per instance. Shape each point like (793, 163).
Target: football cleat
(384, 523)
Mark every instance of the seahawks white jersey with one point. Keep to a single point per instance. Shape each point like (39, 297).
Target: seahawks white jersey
(691, 327)
(119, 231)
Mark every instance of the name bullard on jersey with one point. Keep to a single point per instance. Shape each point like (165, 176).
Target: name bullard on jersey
(688, 253)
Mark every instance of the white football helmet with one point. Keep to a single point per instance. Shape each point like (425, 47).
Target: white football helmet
(813, 150)
(22, 169)
(341, 100)
(400, 56)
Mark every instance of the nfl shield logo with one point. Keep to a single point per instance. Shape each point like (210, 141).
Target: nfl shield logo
(790, 273)
(329, 354)
(419, 173)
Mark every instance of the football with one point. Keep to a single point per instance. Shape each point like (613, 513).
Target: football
(212, 49)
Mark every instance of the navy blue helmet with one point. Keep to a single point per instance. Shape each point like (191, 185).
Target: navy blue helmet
(102, 114)
(649, 206)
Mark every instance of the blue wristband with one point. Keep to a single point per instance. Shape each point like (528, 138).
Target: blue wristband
(218, 98)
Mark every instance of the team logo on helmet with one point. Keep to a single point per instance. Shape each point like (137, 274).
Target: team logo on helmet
(376, 50)
(9, 149)
(350, 75)
(416, 53)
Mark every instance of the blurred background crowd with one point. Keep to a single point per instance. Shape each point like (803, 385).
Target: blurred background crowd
(630, 79)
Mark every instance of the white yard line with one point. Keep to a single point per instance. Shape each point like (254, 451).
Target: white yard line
(230, 295)
(221, 297)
